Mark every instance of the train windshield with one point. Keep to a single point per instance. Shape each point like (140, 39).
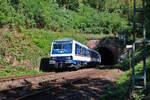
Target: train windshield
(62, 48)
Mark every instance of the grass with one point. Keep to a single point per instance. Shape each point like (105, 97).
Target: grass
(17, 71)
(121, 89)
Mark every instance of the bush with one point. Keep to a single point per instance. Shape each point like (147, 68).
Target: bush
(7, 13)
(69, 4)
(92, 21)
(51, 15)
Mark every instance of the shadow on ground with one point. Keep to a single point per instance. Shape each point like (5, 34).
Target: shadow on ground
(75, 89)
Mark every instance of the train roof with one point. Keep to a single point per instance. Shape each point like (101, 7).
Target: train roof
(65, 39)
(70, 39)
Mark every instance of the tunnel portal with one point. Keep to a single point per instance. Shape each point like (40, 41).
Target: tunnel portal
(107, 48)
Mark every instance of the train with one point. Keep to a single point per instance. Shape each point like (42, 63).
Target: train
(69, 53)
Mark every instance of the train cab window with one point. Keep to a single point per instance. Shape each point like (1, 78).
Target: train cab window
(57, 46)
(62, 48)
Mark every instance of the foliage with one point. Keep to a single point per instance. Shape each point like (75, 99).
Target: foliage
(69, 4)
(102, 22)
(126, 64)
(16, 48)
(52, 15)
(123, 7)
(103, 17)
(120, 87)
(7, 12)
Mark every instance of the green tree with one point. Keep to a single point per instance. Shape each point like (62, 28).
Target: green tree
(7, 13)
(69, 4)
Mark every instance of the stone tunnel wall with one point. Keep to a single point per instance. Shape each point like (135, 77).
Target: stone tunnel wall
(108, 49)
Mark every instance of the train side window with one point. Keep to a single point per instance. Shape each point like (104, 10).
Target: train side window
(78, 49)
(81, 50)
(84, 51)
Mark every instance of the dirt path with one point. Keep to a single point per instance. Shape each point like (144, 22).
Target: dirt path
(88, 84)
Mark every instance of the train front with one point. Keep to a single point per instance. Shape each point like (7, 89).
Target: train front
(61, 53)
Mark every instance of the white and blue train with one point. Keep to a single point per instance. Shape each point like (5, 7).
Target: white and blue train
(68, 53)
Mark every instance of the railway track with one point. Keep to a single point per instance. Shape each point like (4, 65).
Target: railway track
(30, 95)
(45, 90)
(13, 78)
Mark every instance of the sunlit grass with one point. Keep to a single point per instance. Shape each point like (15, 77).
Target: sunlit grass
(17, 71)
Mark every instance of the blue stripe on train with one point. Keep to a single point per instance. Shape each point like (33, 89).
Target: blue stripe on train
(64, 59)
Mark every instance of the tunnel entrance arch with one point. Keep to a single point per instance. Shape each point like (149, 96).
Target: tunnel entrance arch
(108, 49)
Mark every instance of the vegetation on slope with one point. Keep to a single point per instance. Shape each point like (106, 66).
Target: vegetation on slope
(59, 16)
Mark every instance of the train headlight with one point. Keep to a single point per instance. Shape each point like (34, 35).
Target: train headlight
(68, 58)
(53, 58)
